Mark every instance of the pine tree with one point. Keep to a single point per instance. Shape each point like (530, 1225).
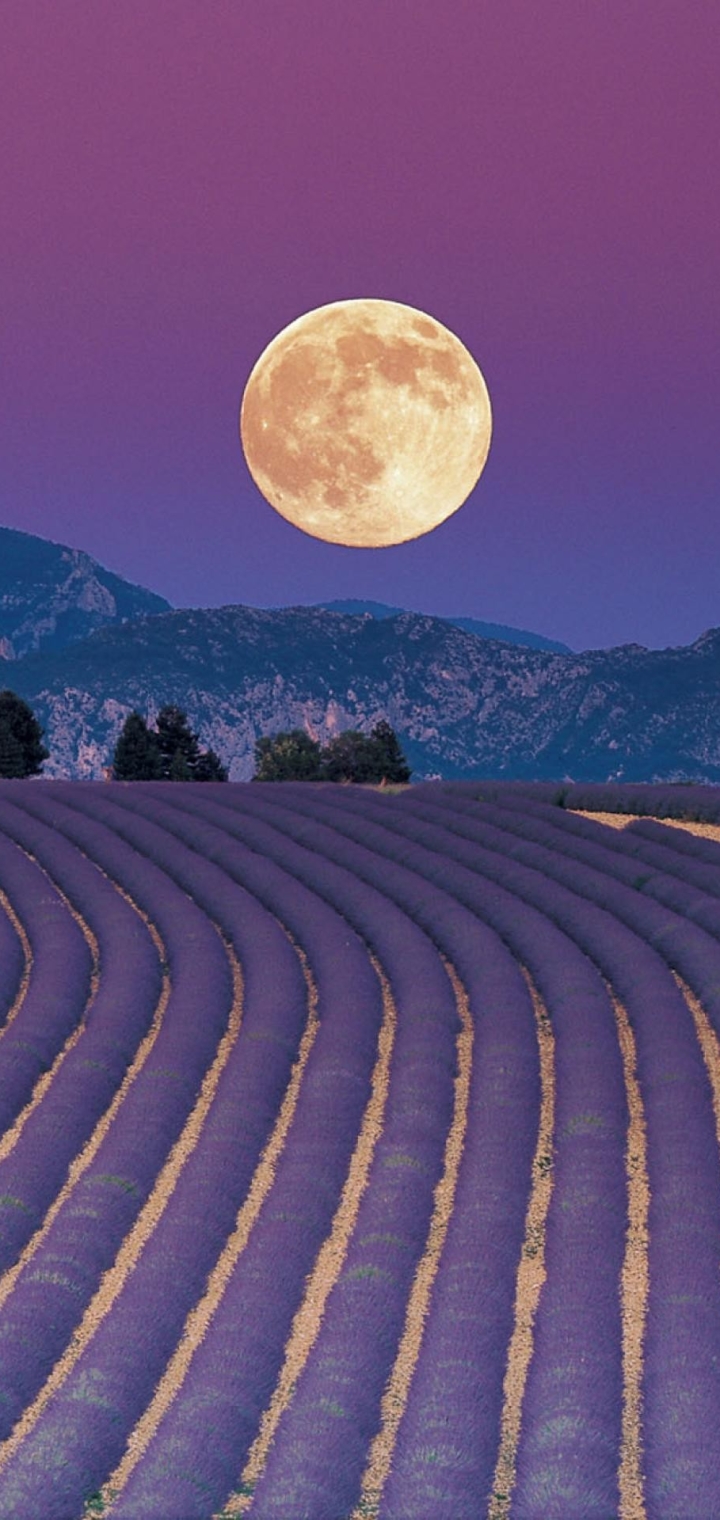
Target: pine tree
(136, 756)
(210, 767)
(11, 756)
(21, 748)
(390, 762)
(172, 753)
(176, 739)
(179, 768)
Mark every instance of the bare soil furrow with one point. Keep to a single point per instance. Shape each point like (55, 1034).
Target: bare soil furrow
(89, 1151)
(635, 1277)
(531, 1270)
(10, 1138)
(220, 1332)
(198, 1320)
(396, 1393)
(20, 930)
(709, 1045)
(329, 1262)
(114, 1279)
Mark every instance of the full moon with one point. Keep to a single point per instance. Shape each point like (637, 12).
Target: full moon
(365, 423)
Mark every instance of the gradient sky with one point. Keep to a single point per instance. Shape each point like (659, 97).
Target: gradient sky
(180, 180)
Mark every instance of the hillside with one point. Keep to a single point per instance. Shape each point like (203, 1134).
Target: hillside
(501, 631)
(51, 595)
(462, 706)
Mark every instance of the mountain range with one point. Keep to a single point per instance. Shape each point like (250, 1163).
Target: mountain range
(51, 596)
(471, 625)
(84, 648)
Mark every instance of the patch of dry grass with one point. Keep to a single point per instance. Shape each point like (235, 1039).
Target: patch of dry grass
(621, 821)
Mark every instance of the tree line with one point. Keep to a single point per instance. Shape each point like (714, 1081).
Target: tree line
(171, 751)
(350, 756)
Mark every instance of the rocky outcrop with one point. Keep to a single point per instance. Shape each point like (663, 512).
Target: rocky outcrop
(51, 596)
(463, 706)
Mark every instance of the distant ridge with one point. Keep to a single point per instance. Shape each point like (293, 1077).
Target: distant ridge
(462, 706)
(51, 595)
(353, 608)
(467, 699)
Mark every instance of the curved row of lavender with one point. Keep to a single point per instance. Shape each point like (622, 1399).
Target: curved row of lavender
(681, 1393)
(128, 988)
(489, 886)
(681, 920)
(699, 801)
(679, 840)
(639, 839)
(438, 1410)
(150, 1310)
(395, 1213)
(663, 927)
(52, 1291)
(12, 956)
(584, 1248)
(59, 982)
(333, 1414)
(682, 1348)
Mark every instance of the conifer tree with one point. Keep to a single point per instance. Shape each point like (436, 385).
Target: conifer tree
(389, 761)
(21, 748)
(11, 756)
(136, 756)
(179, 768)
(210, 767)
(172, 753)
(178, 745)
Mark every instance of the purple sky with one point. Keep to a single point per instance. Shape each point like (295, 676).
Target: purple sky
(180, 180)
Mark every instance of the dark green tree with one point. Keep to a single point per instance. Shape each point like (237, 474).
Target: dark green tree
(178, 745)
(136, 756)
(179, 768)
(11, 756)
(21, 748)
(289, 756)
(172, 753)
(390, 762)
(210, 767)
(365, 759)
(350, 757)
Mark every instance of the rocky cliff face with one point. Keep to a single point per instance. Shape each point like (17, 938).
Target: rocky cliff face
(51, 596)
(462, 705)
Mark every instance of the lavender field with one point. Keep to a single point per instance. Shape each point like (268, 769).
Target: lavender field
(359, 1152)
